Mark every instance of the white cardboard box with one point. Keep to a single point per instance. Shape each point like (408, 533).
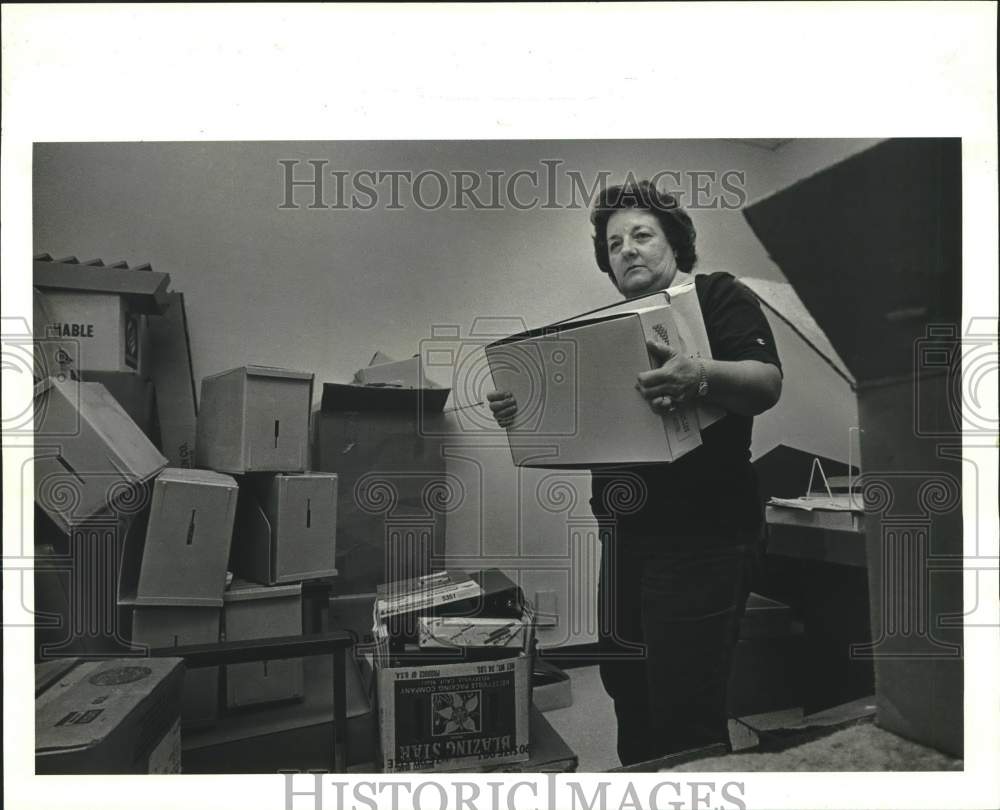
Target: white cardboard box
(89, 454)
(578, 404)
(254, 419)
(289, 534)
(683, 299)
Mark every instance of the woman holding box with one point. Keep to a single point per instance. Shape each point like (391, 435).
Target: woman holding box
(679, 539)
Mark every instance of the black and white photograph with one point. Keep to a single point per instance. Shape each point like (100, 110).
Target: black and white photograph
(395, 439)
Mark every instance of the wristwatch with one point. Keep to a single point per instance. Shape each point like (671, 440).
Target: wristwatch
(702, 379)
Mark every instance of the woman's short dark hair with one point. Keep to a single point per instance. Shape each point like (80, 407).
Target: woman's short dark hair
(644, 195)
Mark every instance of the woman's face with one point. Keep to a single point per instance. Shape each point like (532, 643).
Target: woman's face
(640, 256)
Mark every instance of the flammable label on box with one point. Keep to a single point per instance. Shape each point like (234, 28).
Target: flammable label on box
(454, 716)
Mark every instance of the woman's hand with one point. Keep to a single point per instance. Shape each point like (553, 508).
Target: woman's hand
(674, 382)
(746, 387)
(504, 407)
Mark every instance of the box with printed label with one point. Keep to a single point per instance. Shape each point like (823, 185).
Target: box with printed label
(117, 716)
(448, 713)
(454, 716)
(254, 419)
(576, 389)
(99, 312)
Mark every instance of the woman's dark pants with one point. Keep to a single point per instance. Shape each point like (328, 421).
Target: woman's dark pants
(669, 622)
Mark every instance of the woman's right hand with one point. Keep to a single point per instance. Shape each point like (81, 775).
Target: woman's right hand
(504, 407)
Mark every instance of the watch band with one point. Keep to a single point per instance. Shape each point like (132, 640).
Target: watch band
(702, 379)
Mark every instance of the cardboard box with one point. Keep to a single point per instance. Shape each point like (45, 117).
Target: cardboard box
(452, 716)
(255, 612)
(169, 366)
(99, 311)
(182, 626)
(120, 715)
(378, 453)
(254, 419)
(181, 557)
(136, 396)
(89, 455)
(578, 404)
(287, 529)
(691, 333)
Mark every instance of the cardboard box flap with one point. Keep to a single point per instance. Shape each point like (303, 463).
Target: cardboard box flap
(209, 478)
(146, 292)
(379, 358)
(241, 591)
(281, 373)
(872, 246)
(558, 329)
(350, 397)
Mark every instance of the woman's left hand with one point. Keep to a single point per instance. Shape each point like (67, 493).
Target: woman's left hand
(674, 382)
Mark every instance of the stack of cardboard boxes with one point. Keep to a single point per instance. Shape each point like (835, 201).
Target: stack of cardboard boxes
(254, 424)
(97, 439)
(99, 475)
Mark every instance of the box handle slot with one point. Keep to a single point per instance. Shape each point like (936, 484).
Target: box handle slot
(276, 422)
(308, 513)
(190, 534)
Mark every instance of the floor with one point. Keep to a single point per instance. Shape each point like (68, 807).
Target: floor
(588, 726)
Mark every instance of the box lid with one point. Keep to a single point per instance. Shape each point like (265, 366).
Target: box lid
(349, 397)
(182, 475)
(273, 371)
(145, 291)
(263, 371)
(242, 591)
